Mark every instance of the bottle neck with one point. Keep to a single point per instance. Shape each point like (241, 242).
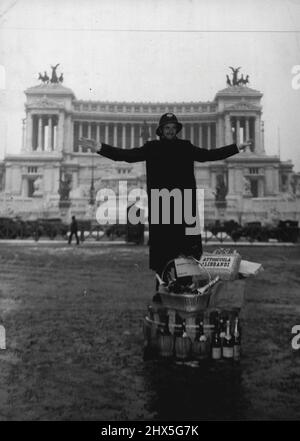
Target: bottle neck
(236, 328)
(228, 335)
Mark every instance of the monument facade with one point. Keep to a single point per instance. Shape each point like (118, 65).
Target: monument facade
(53, 173)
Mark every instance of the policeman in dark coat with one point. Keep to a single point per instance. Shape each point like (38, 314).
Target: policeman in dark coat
(169, 165)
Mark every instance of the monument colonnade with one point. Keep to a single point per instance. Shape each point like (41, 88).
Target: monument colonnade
(45, 131)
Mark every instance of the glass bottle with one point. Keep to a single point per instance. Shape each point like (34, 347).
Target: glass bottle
(228, 343)
(236, 341)
(216, 349)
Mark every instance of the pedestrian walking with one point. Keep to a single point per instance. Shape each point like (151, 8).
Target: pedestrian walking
(74, 230)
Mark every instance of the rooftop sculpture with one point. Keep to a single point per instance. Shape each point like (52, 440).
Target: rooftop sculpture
(45, 79)
(235, 81)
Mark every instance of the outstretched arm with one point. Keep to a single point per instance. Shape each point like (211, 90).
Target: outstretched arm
(203, 155)
(137, 154)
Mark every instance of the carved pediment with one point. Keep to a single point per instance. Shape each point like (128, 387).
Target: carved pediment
(243, 105)
(45, 103)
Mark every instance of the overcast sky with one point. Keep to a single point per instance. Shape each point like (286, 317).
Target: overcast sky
(153, 50)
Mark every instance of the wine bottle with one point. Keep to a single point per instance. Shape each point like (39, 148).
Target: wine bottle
(202, 342)
(166, 326)
(184, 334)
(228, 343)
(222, 330)
(165, 341)
(204, 288)
(216, 350)
(236, 341)
(183, 345)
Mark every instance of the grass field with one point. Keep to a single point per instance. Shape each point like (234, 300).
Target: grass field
(74, 341)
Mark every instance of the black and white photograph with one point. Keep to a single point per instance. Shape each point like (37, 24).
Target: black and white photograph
(149, 213)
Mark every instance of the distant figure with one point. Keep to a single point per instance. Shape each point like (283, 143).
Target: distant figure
(46, 78)
(235, 75)
(221, 189)
(73, 230)
(54, 78)
(241, 80)
(65, 186)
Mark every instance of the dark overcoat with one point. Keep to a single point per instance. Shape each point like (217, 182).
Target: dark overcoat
(74, 226)
(170, 165)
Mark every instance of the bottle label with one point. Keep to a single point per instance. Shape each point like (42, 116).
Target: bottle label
(227, 352)
(216, 353)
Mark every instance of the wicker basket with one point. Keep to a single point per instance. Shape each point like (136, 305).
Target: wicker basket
(186, 302)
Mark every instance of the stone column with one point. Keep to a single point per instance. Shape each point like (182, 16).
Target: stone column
(219, 138)
(183, 131)
(98, 132)
(247, 129)
(29, 127)
(275, 179)
(79, 136)
(257, 142)
(106, 133)
(40, 140)
(49, 133)
(200, 135)
(60, 133)
(57, 133)
(154, 127)
(192, 133)
(89, 130)
(132, 136)
(115, 135)
(237, 129)
(209, 136)
(228, 131)
(70, 140)
(123, 136)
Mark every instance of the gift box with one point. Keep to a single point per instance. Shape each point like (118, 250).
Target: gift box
(228, 295)
(226, 266)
